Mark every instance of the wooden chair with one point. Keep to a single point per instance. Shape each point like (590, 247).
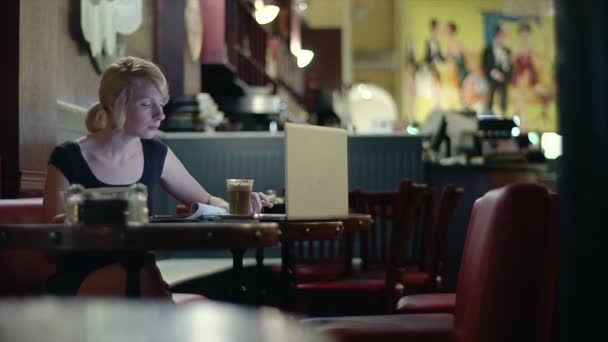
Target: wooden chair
(390, 210)
(431, 234)
(309, 244)
(359, 293)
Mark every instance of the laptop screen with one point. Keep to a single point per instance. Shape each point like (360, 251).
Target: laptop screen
(316, 172)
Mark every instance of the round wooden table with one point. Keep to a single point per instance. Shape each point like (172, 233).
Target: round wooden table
(153, 236)
(233, 236)
(59, 320)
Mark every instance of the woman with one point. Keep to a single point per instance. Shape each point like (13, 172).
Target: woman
(525, 77)
(120, 150)
(524, 70)
(456, 52)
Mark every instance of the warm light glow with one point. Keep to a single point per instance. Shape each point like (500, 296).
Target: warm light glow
(533, 138)
(364, 92)
(412, 130)
(516, 120)
(515, 131)
(304, 58)
(266, 14)
(551, 144)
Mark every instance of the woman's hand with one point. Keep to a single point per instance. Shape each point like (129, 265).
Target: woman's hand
(218, 202)
(258, 201)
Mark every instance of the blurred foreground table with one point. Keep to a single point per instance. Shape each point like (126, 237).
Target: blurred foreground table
(56, 320)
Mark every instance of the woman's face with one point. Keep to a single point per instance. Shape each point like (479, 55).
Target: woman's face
(144, 111)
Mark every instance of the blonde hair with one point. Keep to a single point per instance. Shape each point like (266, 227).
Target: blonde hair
(115, 87)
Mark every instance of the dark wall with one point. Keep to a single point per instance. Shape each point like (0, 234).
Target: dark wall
(325, 70)
(582, 78)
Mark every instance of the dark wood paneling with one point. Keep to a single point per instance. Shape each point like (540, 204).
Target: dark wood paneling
(38, 87)
(31, 183)
(214, 32)
(325, 70)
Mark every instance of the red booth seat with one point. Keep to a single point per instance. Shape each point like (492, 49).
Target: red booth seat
(23, 272)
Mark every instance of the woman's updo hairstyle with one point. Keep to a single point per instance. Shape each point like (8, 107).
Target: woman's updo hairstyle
(115, 88)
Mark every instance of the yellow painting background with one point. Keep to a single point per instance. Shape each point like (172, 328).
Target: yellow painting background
(534, 105)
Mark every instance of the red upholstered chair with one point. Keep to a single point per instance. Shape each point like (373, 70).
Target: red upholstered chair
(359, 293)
(23, 272)
(445, 302)
(504, 284)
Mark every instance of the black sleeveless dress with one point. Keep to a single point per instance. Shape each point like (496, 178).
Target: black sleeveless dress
(73, 267)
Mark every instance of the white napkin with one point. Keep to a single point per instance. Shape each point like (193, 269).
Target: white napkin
(199, 210)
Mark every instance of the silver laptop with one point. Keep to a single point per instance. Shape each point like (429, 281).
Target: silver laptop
(316, 172)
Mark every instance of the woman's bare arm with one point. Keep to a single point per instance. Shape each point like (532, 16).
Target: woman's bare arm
(54, 186)
(178, 182)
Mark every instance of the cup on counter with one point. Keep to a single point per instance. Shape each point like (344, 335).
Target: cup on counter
(239, 196)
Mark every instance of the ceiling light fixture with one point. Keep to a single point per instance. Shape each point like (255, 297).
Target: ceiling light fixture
(265, 14)
(304, 57)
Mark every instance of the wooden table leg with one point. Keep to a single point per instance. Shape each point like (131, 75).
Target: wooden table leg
(288, 272)
(259, 257)
(238, 274)
(133, 266)
(260, 291)
(349, 242)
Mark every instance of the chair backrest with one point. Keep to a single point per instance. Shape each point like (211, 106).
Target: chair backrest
(410, 198)
(304, 242)
(437, 234)
(23, 272)
(503, 278)
(423, 227)
(391, 211)
(315, 248)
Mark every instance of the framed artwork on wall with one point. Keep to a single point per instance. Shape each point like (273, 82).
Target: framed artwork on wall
(106, 29)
